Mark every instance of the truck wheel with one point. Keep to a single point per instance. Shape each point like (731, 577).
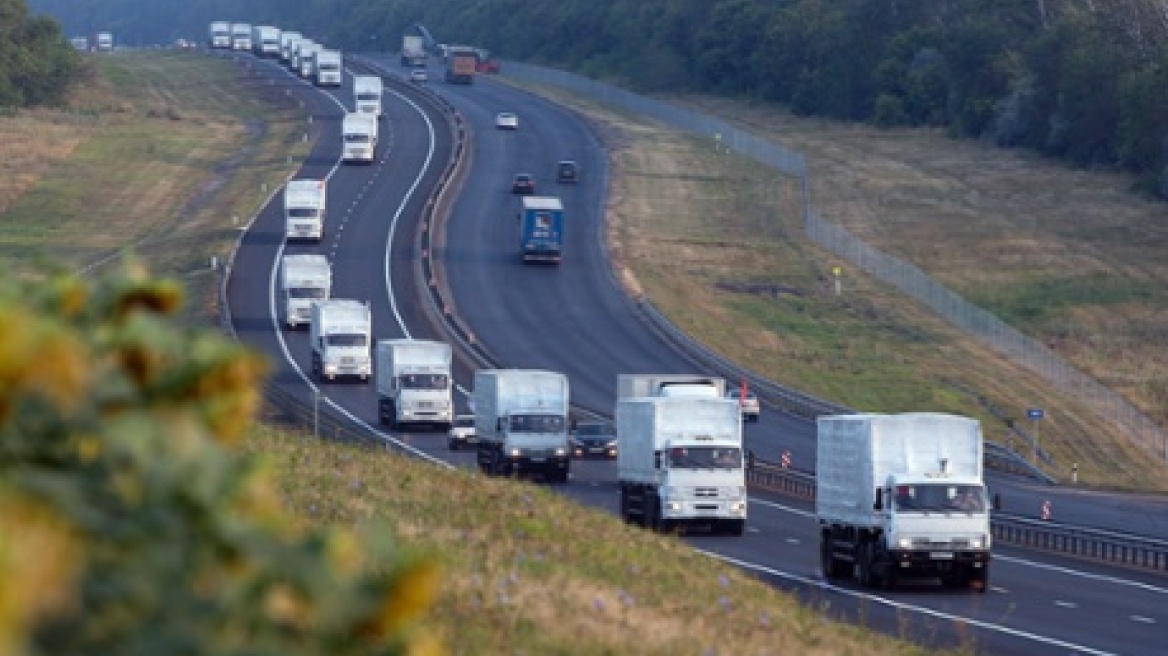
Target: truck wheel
(864, 574)
(737, 527)
(653, 513)
(452, 445)
(980, 581)
(832, 567)
(624, 506)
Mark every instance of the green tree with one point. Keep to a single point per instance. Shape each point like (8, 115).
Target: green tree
(129, 523)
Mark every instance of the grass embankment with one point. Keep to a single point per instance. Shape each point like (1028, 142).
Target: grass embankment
(529, 572)
(526, 571)
(157, 154)
(717, 243)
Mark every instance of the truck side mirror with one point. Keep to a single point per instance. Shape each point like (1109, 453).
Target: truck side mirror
(879, 504)
(997, 501)
(499, 424)
(657, 460)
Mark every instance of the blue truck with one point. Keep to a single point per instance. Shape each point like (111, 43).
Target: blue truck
(541, 229)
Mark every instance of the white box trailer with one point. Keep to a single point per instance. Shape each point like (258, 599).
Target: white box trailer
(359, 137)
(680, 463)
(305, 278)
(902, 496)
(521, 421)
(219, 35)
(341, 334)
(241, 36)
(414, 383)
(631, 386)
(304, 209)
(367, 92)
(326, 68)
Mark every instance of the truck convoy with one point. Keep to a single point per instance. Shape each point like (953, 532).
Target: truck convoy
(413, 52)
(304, 279)
(902, 496)
(219, 35)
(461, 63)
(326, 67)
(521, 422)
(341, 332)
(367, 91)
(304, 209)
(679, 453)
(541, 229)
(241, 36)
(287, 40)
(265, 41)
(359, 137)
(414, 383)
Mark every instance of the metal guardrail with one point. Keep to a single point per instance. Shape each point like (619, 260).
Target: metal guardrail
(1042, 535)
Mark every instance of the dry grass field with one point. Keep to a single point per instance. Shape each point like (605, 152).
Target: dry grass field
(717, 243)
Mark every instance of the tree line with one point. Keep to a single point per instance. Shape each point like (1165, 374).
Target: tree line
(1080, 80)
(36, 63)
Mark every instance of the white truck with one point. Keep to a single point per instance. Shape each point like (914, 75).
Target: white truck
(287, 40)
(414, 383)
(679, 456)
(304, 209)
(367, 91)
(105, 41)
(305, 278)
(630, 386)
(300, 50)
(901, 496)
(307, 59)
(413, 51)
(265, 41)
(326, 68)
(521, 422)
(358, 137)
(241, 36)
(219, 35)
(341, 334)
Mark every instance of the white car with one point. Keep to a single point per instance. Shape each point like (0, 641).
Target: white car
(748, 403)
(507, 121)
(462, 432)
(418, 75)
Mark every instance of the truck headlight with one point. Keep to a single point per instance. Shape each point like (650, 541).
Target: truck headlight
(330, 368)
(675, 506)
(561, 451)
(978, 542)
(515, 452)
(904, 543)
(738, 507)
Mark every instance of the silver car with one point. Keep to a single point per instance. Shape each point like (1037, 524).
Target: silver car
(748, 403)
(462, 432)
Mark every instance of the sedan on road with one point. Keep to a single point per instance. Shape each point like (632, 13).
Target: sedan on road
(523, 183)
(593, 439)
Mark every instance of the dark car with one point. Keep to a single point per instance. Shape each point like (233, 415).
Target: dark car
(523, 183)
(567, 171)
(593, 439)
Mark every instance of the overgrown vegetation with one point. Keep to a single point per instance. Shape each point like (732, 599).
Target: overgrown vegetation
(37, 65)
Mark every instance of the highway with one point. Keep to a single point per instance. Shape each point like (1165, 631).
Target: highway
(574, 318)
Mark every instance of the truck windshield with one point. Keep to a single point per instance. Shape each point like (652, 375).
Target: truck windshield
(537, 424)
(346, 340)
(329, 66)
(367, 95)
(307, 292)
(302, 212)
(705, 457)
(424, 381)
(939, 497)
(356, 138)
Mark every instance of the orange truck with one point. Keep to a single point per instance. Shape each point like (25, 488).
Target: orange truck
(461, 65)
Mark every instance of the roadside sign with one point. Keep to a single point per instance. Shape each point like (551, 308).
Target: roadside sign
(1035, 413)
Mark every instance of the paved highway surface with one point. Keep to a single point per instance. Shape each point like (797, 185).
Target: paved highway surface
(573, 318)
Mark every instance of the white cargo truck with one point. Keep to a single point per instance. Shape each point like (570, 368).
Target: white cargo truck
(219, 35)
(358, 137)
(305, 278)
(521, 421)
(304, 209)
(287, 40)
(414, 383)
(308, 59)
(341, 334)
(367, 91)
(326, 68)
(900, 496)
(300, 49)
(105, 41)
(413, 51)
(680, 462)
(265, 41)
(631, 386)
(241, 36)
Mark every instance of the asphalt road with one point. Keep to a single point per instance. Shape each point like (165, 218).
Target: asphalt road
(573, 318)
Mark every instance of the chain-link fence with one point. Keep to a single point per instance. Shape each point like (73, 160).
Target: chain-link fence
(886, 268)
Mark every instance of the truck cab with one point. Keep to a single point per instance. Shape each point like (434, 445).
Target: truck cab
(327, 68)
(341, 334)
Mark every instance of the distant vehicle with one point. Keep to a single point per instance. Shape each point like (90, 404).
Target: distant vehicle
(287, 40)
(461, 63)
(748, 403)
(219, 35)
(79, 43)
(462, 432)
(567, 171)
(304, 279)
(359, 137)
(523, 183)
(593, 439)
(105, 41)
(265, 41)
(506, 121)
(521, 420)
(326, 68)
(418, 75)
(304, 209)
(241, 36)
(413, 52)
(367, 90)
(541, 229)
